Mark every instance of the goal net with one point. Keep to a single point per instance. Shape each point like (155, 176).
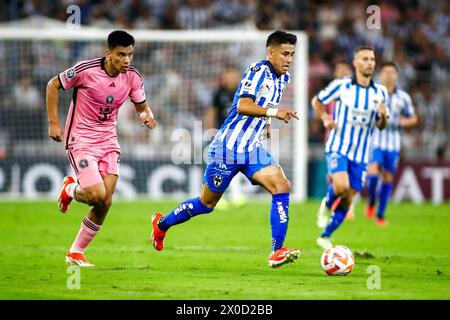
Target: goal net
(181, 71)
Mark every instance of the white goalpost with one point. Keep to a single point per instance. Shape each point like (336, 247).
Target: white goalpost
(181, 70)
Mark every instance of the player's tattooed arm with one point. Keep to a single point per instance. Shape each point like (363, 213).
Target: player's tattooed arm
(145, 115)
(52, 95)
(322, 114)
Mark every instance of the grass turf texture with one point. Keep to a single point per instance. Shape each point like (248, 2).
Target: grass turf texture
(222, 255)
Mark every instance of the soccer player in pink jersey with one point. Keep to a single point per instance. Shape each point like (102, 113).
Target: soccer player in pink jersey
(100, 87)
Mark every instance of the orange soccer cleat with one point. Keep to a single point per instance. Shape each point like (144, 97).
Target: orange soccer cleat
(77, 258)
(382, 222)
(64, 199)
(370, 212)
(157, 234)
(282, 256)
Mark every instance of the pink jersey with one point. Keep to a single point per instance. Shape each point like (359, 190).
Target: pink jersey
(96, 100)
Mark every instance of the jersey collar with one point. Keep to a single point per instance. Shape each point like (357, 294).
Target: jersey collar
(272, 68)
(371, 84)
(102, 65)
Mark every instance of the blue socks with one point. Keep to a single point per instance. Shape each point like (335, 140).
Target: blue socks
(279, 217)
(337, 219)
(185, 210)
(385, 194)
(372, 183)
(331, 197)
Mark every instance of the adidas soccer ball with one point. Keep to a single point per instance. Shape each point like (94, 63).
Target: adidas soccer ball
(337, 260)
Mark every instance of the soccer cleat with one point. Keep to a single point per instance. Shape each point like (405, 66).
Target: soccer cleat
(64, 199)
(382, 222)
(323, 215)
(282, 256)
(78, 259)
(324, 242)
(370, 211)
(157, 234)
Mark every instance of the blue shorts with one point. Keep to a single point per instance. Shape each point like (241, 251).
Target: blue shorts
(219, 173)
(356, 170)
(388, 160)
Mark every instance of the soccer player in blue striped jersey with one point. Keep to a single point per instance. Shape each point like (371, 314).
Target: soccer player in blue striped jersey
(386, 144)
(237, 147)
(360, 107)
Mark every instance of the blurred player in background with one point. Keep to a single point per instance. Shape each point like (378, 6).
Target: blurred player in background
(237, 147)
(341, 70)
(386, 144)
(100, 87)
(215, 117)
(360, 106)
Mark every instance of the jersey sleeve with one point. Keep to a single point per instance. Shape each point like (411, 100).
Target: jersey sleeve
(137, 92)
(251, 82)
(330, 92)
(408, 107)
(70, 78)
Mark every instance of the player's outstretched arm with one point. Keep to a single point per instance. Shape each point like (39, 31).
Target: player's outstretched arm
(145, 115)
(248, 107)
(52, 95)
(321, 113)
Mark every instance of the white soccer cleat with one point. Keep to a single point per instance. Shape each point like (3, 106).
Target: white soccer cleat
(323, 215)
(324, 242)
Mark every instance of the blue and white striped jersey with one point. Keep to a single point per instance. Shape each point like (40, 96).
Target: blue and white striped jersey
(355, 114)
(399, 105)
(240, 134)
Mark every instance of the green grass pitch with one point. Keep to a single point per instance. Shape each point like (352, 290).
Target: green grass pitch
(222, 255)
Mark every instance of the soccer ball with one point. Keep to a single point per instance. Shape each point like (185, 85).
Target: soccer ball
(337, 260)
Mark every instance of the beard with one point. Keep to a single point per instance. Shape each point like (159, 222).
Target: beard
(367, 74)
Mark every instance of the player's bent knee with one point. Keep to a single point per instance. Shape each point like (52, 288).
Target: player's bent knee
(282, 186)
(96, 197)
(341, 188)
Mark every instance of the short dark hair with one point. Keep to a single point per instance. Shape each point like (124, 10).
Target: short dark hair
(120, 38)
(389, 64)
(365, 47)
(280, 37)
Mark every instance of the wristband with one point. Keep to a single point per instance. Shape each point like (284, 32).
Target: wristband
(271, 112)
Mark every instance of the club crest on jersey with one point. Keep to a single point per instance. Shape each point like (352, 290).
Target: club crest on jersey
(83, 163)
(334, 160)
(109, 99)
(217, 180)
(70, 73)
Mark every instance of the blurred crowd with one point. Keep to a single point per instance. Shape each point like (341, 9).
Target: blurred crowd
(413, 33)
